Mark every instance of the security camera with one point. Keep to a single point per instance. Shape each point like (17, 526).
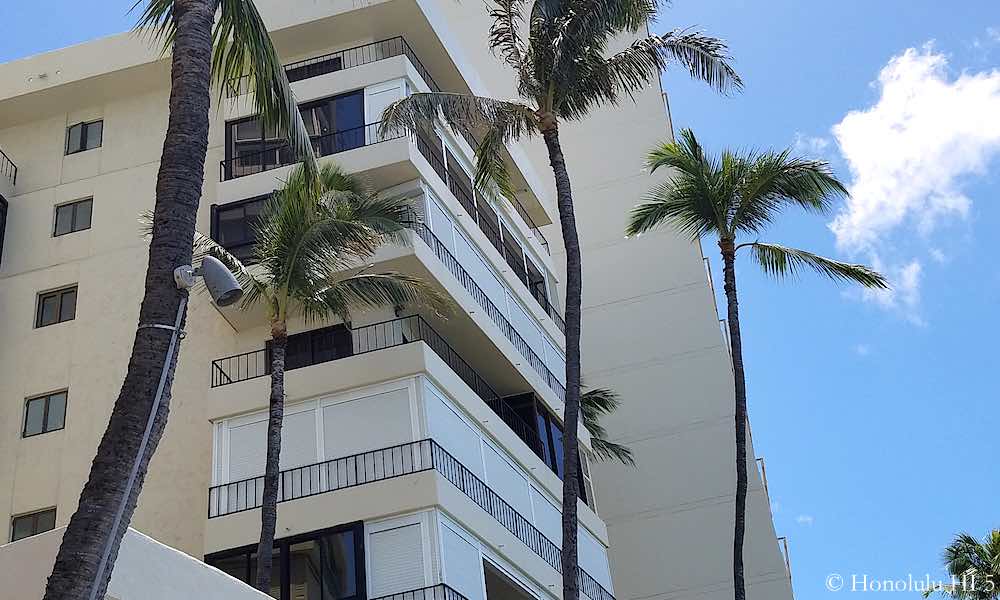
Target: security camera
(221, 283)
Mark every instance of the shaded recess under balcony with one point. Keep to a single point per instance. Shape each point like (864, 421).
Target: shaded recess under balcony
(388, 463)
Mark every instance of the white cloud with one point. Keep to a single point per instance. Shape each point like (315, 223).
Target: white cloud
(810, 146)
(909, 155)
(938, 255)
(804, 520)
(993, 33)
(863, 349)
(904, 295)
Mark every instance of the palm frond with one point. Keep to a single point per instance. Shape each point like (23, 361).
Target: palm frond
(764, 183)
(510, 119)
(688, 201)
(156, 21)
(242, 48)
(491, 169)
(780, 261)
(370, 291)
(505, 38)
(705, 57)
(254, 290)
(594, 405)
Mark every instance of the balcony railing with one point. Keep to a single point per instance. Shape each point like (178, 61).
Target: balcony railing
(281, 155)
(389, 463)
(440, 591)
(495, 314)
(343, 59)
(389, 334)
(7, 168)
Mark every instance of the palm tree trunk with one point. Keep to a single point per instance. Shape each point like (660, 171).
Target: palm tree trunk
(269, 505)
(574, 293)
(736, 347)
(178, 191)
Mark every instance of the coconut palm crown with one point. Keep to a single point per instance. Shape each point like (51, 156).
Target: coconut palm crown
(974, 567)
(737, 195)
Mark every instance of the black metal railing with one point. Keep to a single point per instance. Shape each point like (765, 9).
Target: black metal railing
(389, 334)
(495, 314)
(341, 60)
(7, 168)
(440, 591)
(388, 463)
(467, 199)
(281, 155)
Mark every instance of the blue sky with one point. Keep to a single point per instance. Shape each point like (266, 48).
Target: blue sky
(876, 415)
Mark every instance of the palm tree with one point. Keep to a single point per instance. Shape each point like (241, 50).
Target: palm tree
(737, 195)
(202, 49)
(563, 72)
(306, 246)
(974, 567)
(594, 405)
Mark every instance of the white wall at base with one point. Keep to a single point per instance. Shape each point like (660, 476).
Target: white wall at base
(145, 570)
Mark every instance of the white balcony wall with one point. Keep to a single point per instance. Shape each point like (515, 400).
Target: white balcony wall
(461, 563)
(317, 430)
(445, 228)
(467, 442)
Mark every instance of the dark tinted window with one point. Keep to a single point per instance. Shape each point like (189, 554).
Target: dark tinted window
(73, 217)
(315, 347)
(233, 226)
(56, 307)
(84, 136)
(44, 414)
(325, 565)
(32, 524)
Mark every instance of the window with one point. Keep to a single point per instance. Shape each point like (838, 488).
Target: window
(56, 307)
(315, 347)
(44, 414)
(233, 225)
(73, 217)
(323, 565)
(335, 124)
(32, 524)
(84, 136)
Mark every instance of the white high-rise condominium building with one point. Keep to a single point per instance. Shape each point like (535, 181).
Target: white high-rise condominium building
(421, 453)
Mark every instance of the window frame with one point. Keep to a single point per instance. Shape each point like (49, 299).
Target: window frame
(243, 250)
(47, 398)
(60, 292)
(282, 546)
(73, 206)
(33, 515)
(84, 126)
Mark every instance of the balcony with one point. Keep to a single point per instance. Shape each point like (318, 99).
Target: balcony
(339, 342)
(281, 155)
(8, 175)
(444, 163)
(496, 315)
(390, 463)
